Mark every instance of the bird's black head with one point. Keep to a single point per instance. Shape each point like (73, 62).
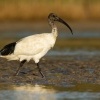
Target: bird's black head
(53, 17)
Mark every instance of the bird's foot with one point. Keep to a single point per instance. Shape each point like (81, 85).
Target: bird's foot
(42, 74)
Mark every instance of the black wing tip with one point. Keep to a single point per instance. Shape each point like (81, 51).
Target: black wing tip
(8, 49)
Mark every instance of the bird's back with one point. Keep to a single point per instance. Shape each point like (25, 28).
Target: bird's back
(34, 44)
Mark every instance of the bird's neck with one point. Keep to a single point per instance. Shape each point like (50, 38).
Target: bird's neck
(54, 31)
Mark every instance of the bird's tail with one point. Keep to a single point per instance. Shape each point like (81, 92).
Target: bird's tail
(8, 49)
(0, 52)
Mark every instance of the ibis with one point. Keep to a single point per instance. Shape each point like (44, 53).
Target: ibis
(33, 47)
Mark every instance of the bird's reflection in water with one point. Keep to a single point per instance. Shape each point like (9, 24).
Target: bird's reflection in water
(39, 92)
(36, 92)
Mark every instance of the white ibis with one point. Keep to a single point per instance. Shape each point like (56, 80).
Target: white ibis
(33, 47)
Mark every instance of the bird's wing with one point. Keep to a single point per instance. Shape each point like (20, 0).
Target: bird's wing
(31, 45)
(8, 49)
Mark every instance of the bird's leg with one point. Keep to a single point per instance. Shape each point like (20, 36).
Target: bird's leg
(21, 64)
(39, 69)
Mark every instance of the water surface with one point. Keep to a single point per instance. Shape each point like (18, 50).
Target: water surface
(44, 92)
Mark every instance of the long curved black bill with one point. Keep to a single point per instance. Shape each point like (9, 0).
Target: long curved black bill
(62, 21)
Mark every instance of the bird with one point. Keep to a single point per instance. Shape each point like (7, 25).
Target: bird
(33, 47)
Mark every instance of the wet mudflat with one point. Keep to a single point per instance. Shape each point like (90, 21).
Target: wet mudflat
(58, 71)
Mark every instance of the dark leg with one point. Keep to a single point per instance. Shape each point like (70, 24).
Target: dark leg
(21, 64)
(40, 70)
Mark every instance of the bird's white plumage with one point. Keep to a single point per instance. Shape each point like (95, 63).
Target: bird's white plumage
(33, 47)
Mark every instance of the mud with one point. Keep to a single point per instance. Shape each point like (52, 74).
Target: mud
(58, 71)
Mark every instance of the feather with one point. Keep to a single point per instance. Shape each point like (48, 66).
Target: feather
(8, 49)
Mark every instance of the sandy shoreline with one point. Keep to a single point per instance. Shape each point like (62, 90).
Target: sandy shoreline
(58, 72)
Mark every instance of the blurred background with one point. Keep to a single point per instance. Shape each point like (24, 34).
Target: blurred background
(20, 18)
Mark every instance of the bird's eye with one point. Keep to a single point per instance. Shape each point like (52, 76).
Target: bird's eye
(53, 15)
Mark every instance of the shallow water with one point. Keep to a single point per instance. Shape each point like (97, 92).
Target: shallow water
(40, 92)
